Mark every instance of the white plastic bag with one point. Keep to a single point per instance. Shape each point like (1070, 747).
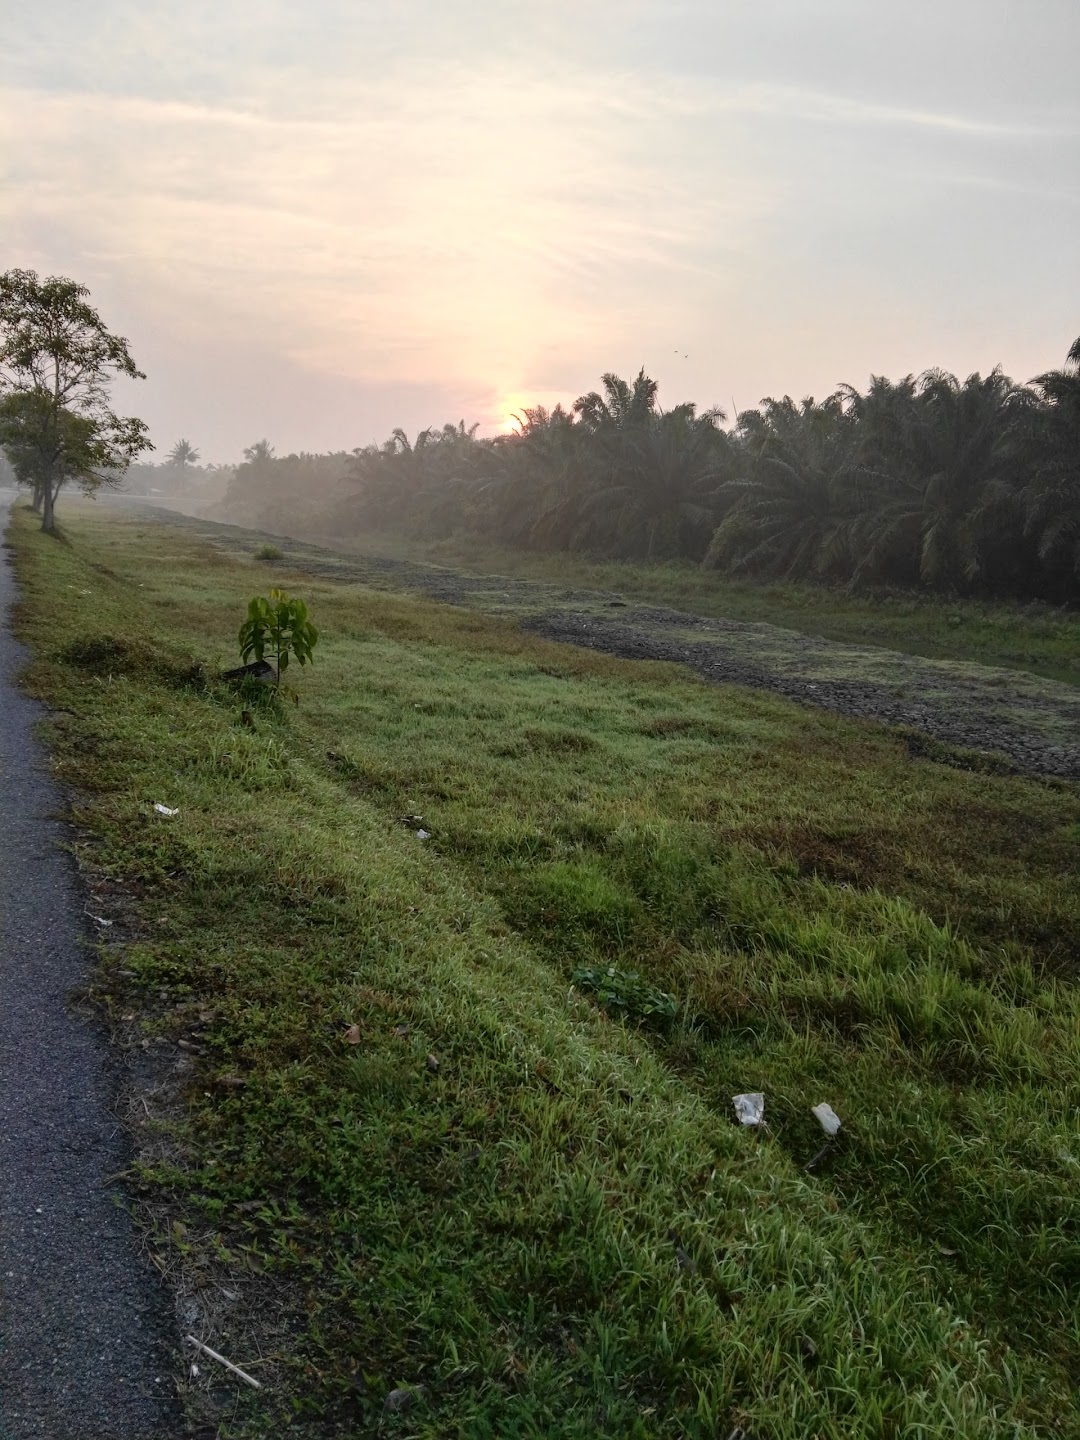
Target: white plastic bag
(749, 1108)
(827, 1118)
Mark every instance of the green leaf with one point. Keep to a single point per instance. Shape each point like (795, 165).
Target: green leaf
(280, 624)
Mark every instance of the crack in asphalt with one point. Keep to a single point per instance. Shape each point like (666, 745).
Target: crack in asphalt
(84, 1353)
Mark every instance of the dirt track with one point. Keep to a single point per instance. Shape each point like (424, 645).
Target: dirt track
(1027, 722)
(1005, 713)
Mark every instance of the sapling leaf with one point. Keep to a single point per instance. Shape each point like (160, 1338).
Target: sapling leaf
(278, 624)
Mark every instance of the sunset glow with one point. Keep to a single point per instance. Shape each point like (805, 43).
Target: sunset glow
(510, 409)
(321, 224)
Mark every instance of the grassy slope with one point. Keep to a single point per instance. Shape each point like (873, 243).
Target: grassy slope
(1038, 638)
(553, 1223)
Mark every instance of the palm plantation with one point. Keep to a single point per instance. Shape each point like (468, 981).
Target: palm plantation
(929, 482)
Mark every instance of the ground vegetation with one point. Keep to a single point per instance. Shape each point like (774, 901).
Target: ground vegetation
(448, 978)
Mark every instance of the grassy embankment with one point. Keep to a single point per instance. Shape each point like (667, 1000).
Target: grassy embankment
(1039, 638)
(420, 1158)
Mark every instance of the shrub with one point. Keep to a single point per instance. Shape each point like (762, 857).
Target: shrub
(281, 626)
(626, 992)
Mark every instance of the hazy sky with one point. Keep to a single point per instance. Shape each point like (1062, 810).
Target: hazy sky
(317, 221)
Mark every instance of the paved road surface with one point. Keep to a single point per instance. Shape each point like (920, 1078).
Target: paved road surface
(82, 1323)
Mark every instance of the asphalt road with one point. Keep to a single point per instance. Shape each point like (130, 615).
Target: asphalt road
(86, 1339)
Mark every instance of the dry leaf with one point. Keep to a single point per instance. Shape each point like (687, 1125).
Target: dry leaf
(352, 1035)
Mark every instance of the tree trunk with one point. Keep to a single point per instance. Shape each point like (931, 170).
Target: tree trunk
(48, 512)
(35, 498)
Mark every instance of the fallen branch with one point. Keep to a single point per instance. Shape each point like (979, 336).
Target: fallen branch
(248, 1379)
(817, 1159)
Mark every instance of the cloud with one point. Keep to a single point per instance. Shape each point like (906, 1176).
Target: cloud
(427, 205)
(423, 229)
(817, 108)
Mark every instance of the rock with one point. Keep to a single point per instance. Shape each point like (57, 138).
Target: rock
(260, 670)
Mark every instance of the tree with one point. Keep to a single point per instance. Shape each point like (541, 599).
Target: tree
(281, 625)
(622, 405)
(536, 496)
(791, 513)
(39, 443)
(57, 360)
(666, 474)
(183, 454)
(938, 505)
(1047, 434)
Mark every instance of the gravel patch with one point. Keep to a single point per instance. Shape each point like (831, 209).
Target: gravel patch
(972, 706)
(87, 1350)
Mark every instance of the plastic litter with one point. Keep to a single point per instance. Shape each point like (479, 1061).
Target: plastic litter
(750, 1109)
(164, 810)
(423, 834)
(398, 1402)
(827, 1118)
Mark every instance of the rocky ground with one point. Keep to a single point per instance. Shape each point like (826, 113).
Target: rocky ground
(1029, 723)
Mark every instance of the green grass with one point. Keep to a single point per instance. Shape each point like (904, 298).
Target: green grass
(423, 1156)
(1038, 638)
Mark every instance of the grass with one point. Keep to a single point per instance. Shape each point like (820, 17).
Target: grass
(1034, 637)
(424, 1157)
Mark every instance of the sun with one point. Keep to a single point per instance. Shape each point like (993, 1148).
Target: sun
(508, 411)
(508, 408)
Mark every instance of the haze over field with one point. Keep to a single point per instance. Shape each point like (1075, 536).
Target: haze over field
(318, 224)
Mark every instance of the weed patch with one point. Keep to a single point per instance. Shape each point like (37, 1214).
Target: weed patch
(131, 657)
(625, 993)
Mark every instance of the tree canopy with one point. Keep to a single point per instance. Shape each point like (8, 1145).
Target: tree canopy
(928, 482)
(183, 453)
(57, 361)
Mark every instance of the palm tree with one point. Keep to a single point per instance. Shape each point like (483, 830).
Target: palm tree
(621, 406)
(183, 454)
(791, 515)
(1049, 432)
(934, 498)
(665, 480)
(540, 479)
(426, 486)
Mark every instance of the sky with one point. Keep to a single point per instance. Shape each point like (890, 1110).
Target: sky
(315, 222)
